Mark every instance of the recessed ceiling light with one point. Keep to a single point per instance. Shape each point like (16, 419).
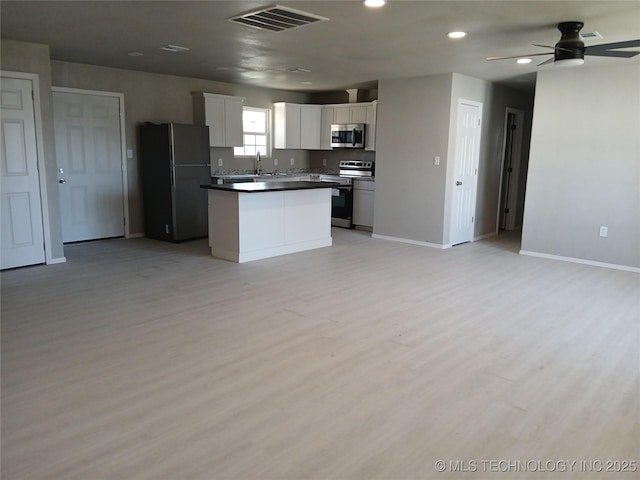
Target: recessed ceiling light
(374, 3)
(523, 61)
(457, 34)
(135, 54)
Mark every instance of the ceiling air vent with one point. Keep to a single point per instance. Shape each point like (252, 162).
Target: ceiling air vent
(591, 36)
(277, 18)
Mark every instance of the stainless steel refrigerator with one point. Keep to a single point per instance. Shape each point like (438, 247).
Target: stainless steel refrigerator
(175, 162)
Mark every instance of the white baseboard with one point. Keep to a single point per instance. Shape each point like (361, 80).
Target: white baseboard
(580, 260)
(53, 261)
(486, 235)
(412, 242)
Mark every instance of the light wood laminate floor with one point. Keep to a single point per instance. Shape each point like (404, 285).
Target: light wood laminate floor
(139, 359)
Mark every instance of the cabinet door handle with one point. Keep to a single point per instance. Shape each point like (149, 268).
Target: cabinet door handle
(458, 183)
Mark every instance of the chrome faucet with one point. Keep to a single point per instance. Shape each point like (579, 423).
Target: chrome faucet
(258, 164)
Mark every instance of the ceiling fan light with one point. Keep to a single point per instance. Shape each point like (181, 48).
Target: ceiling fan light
(569, 62)
(374, 3)
(457, 34)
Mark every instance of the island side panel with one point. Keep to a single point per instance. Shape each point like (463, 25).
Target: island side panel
(308, 217)
(223, 225)
(261, 223)
(246, 226)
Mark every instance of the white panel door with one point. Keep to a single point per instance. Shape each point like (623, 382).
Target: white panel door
(467, 156)
(22, 229)
(89, 153)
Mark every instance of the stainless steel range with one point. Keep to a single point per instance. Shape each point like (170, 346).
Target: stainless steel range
(342, 196)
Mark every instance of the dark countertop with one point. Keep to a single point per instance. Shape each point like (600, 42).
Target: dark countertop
(257, 187)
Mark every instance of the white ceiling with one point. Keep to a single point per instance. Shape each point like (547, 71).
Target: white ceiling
(354, 49)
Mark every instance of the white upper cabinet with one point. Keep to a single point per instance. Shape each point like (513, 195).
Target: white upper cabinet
(341, 114)
(296, 126)
(310, 118)
(308, 127)
(370, 129)
(350, 113)
(326, 120)
(223, 115)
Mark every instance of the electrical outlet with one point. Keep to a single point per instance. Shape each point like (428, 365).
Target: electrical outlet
(275, 162)
(293, 161)
(324, 162)
(129, 153)
(604, 231)
(436, 160)
(219, 162)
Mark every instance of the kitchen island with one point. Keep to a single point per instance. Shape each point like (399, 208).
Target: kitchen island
(251, 221)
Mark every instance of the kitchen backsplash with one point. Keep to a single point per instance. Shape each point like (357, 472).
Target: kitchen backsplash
(231, 164)
(333, 157)
(314, 161)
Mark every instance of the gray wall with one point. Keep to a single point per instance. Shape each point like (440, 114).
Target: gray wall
(34, 58)
(151, 97)
(584, 168)
(412, 127)
(417, 120)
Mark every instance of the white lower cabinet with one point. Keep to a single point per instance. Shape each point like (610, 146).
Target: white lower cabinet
(363, 197)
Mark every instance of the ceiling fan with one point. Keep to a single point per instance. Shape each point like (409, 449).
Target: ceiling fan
(570, 49)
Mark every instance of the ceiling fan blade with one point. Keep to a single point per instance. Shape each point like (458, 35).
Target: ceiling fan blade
(614, 45)
(554, 48)
(544, 46)
(547, 62)
(612, 53)
(520, 56)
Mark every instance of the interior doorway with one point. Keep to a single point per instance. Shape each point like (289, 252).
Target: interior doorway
(91, 166)
(465, 177)
(22, 227)
(507, 215)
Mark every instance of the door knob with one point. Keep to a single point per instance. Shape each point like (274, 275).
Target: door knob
(458, 183)
(62, 180)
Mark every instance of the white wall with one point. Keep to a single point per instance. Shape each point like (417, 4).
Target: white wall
(584, 168)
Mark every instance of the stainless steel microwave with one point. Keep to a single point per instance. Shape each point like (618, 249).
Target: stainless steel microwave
(347, 135)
